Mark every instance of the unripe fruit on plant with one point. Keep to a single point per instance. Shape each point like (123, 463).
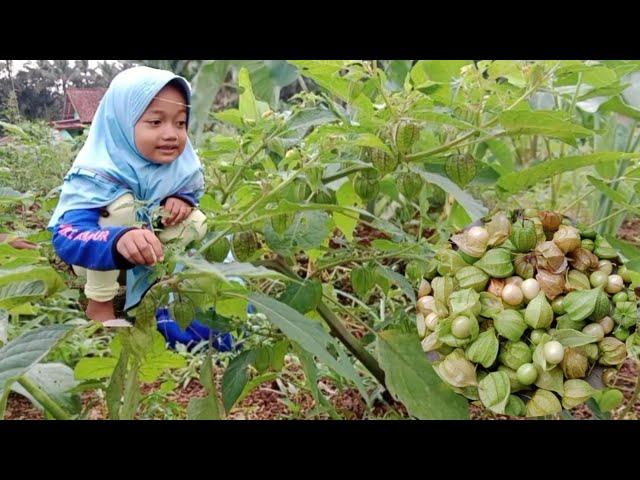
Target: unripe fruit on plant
(461, 169)
(218, 251)
(512, 295)
(553, 352)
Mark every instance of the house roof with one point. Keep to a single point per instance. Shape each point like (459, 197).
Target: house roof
(85, 101)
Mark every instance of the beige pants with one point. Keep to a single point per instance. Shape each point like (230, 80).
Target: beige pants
(102, 286)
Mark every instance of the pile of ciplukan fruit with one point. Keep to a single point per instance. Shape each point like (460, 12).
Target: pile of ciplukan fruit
(524, 310)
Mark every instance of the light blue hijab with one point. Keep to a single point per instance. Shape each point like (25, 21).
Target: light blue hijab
(109, 164)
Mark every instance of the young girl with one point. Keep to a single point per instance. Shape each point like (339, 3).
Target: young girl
(137, 150)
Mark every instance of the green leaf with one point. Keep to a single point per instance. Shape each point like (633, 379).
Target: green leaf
(630, 251)
(205, 408)
(247, 103)
(545, 123)
(551, 380)
(398, 280)
(311, 375)
(206, 84)
(517, 181)
(21, 354)
(236, 377)
(308, 334)
(231, 116)
(504, 155)
(494, 391)
(370, 140)
(617, 105)
(412, 380)
(308, 230)
(17, 293)
(90, 368)
(303, 297)
(579, 304)
(55, 379)
(572, 338)
(302, 120)
(268, 77)
(612, 194)
(473, 207)
(346, 197)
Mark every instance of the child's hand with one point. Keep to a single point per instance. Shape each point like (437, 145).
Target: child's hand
(141, 247)
(179, 210)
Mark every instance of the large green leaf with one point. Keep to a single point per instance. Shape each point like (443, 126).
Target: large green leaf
(399, 280)
(517, 181)
(55, 379)
(235, 378)
(629, 250)
(309, 335)
(206, 85)
(268, 77)
(612, 194)
(304, 297)
(206, 408)
(17, 293)
(48, 275)
(21, 354)
(473, 207)
(412, 380)
(618, 105)
(308, 230)
(14, 257)
(546, 123)
(247, 103)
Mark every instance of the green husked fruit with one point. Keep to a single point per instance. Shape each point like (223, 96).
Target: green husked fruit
(410, 184)
(602, 308)
(245, 244)
(384, 162)
(366, 185)
(496, 263)
(218, 251)
(183, 313)
(472, 277)
(603, 249)
(510, 324)
(461, 169)
(405, 135)
(325, 196)
(523, 236)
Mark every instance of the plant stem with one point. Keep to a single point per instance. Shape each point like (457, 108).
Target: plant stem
(336, 327)
(44, 399)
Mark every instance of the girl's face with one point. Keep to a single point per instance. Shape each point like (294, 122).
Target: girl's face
(161, 131)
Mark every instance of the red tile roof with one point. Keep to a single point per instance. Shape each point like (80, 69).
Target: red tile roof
(85, 101)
